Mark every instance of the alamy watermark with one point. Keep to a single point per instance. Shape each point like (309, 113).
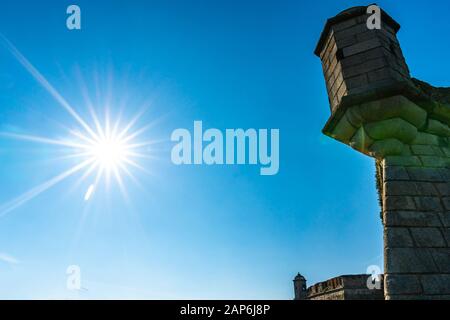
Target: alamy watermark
(374, 20)
(234, 146)
(73, 21)
(374, 280)
(73, 281)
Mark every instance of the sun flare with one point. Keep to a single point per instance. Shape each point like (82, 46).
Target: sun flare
(101, 150)
(110, 152)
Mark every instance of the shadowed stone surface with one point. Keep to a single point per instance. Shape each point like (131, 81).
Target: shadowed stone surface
(404, 123)
(348, 287)
(403, 284)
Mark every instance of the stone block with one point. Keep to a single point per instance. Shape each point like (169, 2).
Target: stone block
(445, 174)
(446, 233)
(393, 107)
(406, 161)
(362, 47)
(356, 82)
(397, 238)
(426, 189)
(375, 53)
(344, 130)
(434, 162)
(405, 188)
(409, 260)
(411, 219)
(445, 218)
(442, 111)
(365, 67)
(400, 188)
(443, 188)
(380, 74)
(446, 202)
(446, 151)
(402, 284)
(345, 42)
(436, 284)
(361, 141)
(355, 60)
(428, 237)
(428, 203)
(395, 173)
(342, 89)
(392, 128)
(426, 139)
(438, 151)
(422, 150)
(388, 147)
(406, 150)
(426, 174)
(344, 25)
(354, 117)
(348, 28)
(441, 257)
(398, 203)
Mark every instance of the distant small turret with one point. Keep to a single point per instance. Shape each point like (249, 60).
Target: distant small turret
(300, 287)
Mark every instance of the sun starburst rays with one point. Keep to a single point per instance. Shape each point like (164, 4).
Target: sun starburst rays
(105, 153)
(101, 148)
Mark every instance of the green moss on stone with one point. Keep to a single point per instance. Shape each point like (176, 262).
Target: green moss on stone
(426, 139)
(393, 107)
(438, 128)
(395, 128)
(343, 130)
(406, 161)
(388, 147)
(361, 141)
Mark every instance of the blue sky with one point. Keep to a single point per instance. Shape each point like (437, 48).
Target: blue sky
(204, 232)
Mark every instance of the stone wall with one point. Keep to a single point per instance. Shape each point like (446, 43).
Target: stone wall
(356, 59)
(412, 148)
(416, 218)
(405, 126)
(348, 287)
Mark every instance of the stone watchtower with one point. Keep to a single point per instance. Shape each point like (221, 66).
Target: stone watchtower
(379, 110)
(300, 290)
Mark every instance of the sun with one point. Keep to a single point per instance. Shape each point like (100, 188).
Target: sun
(102, 147)
(106, 149)
(100, 153)
(109, 153)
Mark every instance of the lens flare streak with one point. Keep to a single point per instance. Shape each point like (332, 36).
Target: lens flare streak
(106, 147)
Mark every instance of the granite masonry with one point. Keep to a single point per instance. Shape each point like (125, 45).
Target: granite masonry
(348, 287)
(378, 109)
